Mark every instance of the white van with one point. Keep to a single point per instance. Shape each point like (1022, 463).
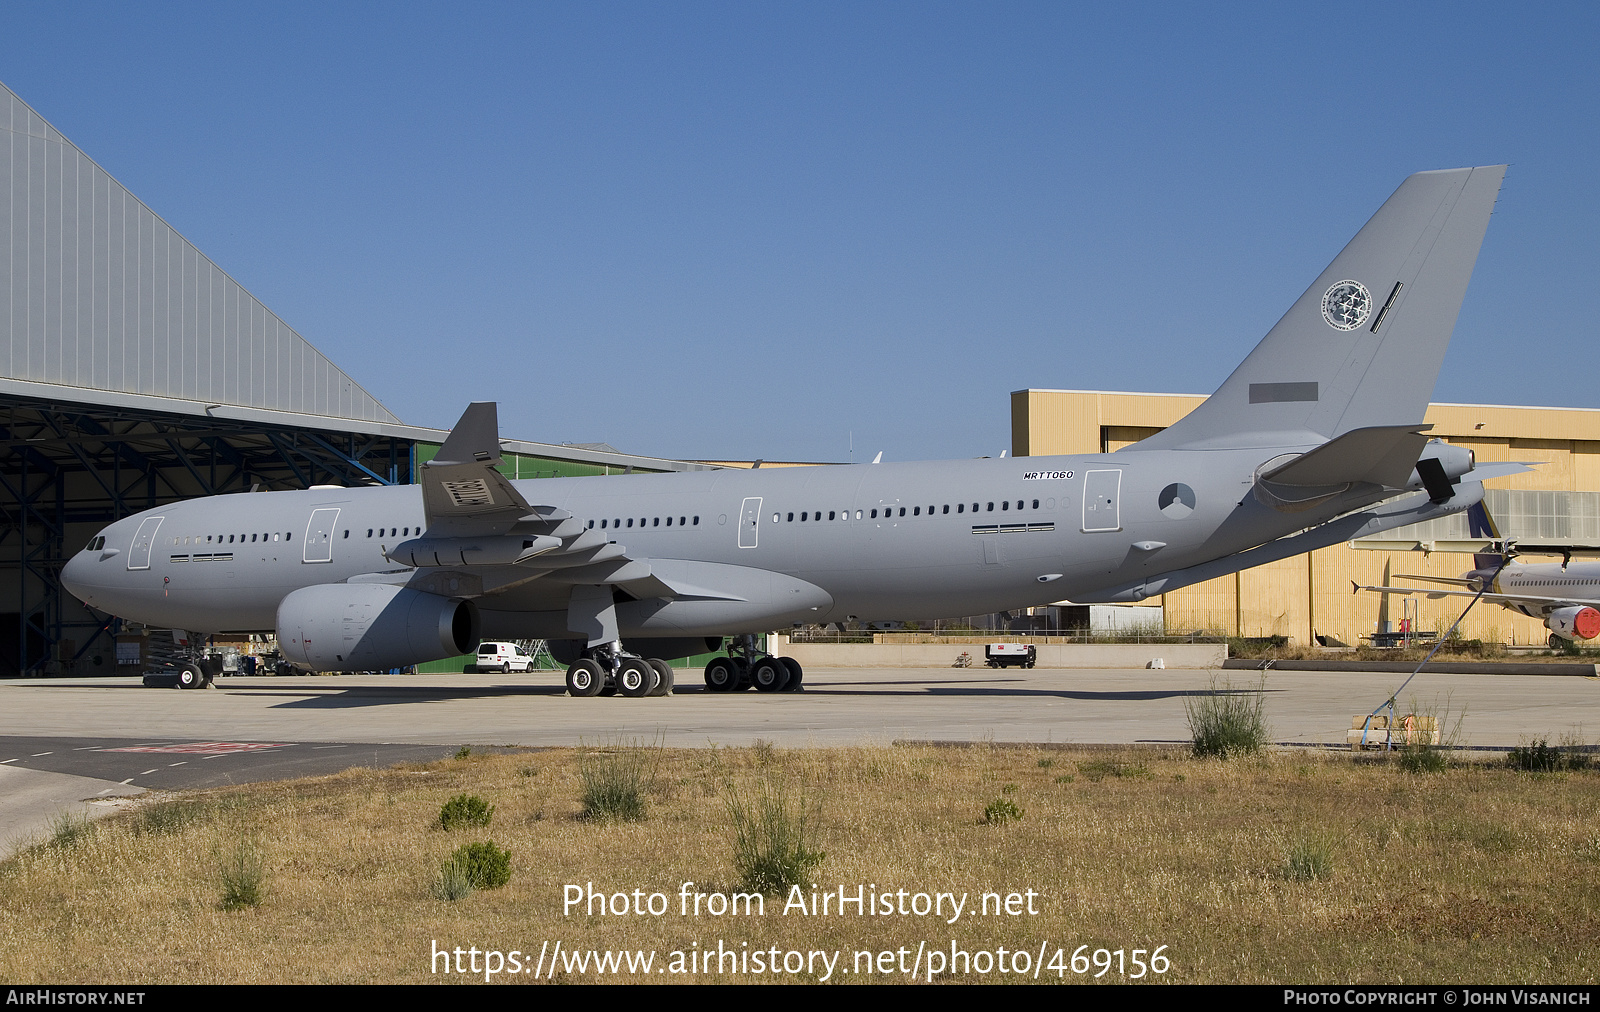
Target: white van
(502, 657)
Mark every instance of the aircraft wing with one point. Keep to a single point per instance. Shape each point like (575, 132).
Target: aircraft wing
(1542, 603)
(1454, 581)
(483, 536)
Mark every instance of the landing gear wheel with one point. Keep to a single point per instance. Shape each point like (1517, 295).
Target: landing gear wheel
(769, 675)
(585, 678)
(191, 677)
(663, 683)
(721, 674)
(1557, 643)
(635, 678)
(796, 673)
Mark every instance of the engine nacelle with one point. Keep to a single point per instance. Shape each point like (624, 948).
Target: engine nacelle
(373, 627)
(1579, 622)
(1455, 460)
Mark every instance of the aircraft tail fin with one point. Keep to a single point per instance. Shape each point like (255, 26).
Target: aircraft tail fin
(1363, 346)
(1481, 525)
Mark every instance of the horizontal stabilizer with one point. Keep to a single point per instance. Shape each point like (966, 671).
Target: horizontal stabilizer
(1497, 469)
(1381, 454)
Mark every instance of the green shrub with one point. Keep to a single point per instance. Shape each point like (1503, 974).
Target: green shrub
(1539, 756)
(1001, 811)
(452, 881)
(242, 872)
(1226, 722)
(482, 865)
(615, 783)
(465, 810)
(1422, 758)
(1309, 859)
(69, 829)
(774, 839)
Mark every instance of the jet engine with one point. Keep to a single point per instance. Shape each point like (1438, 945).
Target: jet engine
(373, 627)
(1439, 467)
(1579, 622)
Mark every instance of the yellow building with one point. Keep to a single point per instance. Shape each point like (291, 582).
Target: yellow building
(1310, 596)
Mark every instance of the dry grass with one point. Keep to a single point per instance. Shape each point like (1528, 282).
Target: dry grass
(1287, 868)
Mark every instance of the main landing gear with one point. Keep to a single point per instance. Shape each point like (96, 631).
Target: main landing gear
(746, 666)
(607, 671)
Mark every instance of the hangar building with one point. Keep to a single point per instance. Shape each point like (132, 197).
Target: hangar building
(135, 372)
(1310, 596)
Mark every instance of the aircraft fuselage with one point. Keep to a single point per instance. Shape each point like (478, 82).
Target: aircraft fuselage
(879, 541)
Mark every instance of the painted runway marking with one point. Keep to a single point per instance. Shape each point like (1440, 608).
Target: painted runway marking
(203, 747)
(38, 754)
(148, 772)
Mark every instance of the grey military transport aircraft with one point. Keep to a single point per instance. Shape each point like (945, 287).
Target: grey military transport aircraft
(1315, 439)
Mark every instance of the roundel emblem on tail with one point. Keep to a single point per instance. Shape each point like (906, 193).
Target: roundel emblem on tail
(1346, 305)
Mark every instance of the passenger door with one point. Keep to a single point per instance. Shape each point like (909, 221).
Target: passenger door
(319, 535)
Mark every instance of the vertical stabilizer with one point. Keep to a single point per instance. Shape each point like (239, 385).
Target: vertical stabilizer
(1362, 347)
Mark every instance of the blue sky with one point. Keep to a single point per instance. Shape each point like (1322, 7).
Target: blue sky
(753, 230)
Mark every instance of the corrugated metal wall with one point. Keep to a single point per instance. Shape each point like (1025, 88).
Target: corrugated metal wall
(96, 291)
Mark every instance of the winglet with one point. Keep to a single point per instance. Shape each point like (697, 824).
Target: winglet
(475, 438)
(462, 493)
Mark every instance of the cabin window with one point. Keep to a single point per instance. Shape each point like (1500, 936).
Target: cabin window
(830, 514)
(776, 517)
(697, 521)
(1036, 504)
(681, 520)
(656, 522)
(630, 521)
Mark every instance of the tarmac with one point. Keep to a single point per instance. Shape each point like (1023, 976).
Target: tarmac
(75, 745)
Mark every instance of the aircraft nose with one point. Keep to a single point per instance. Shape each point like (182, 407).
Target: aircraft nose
(74, 574)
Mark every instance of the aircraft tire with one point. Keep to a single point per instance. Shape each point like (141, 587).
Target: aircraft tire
(721, 674)
(664, 683)
(635, 678)
(769, 675)
(796, 673)
(585, 678)
(191, 677)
